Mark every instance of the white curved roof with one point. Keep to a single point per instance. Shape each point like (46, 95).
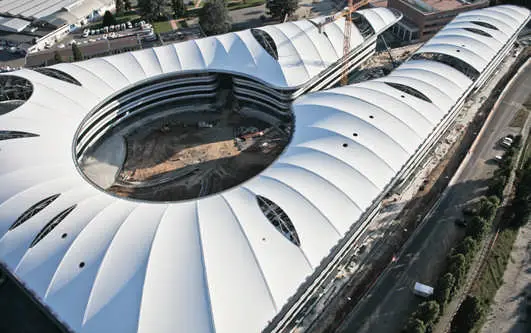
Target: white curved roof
(215, 264)
(303, 53)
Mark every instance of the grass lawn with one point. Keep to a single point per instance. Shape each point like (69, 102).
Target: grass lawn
(520, 118)
(491, 277)
(161, 27)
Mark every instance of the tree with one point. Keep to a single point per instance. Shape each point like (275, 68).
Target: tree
(178, 8)
(153, 9)
(76, 52)
(108, 19)
(467, 247)
(477, 227)
(57, 57)
(280, 8)
(214, 17)
(468, 314)
(457, 267)
(119, 6)
(443, 291)
(427, 312)
(414, 326)
(497, 185)
(127, 5)
(487, 206)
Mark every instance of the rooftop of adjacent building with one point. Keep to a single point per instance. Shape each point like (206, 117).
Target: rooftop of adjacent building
(433, 6)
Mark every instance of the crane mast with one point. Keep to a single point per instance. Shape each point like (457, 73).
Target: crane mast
(347, 13)
(346, 43)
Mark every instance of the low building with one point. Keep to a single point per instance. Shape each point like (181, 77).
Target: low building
(423, 18)
(90, 50)
(45, 22)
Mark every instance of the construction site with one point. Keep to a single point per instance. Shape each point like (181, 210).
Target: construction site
(182, 152)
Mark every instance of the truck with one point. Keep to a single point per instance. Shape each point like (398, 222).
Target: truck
(422, 290)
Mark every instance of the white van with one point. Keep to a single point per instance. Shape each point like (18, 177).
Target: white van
(422, 290)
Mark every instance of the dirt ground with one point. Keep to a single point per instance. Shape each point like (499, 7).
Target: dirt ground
(175, 159)
(508, 310)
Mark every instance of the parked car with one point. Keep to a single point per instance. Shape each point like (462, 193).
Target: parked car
(506, 143)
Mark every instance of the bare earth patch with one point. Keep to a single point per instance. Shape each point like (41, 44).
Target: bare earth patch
(508, 309)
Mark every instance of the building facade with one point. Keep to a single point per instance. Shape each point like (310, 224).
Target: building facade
(423, 18)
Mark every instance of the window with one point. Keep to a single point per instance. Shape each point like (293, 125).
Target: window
(484, 25)
(479, 32)
(57, 74)
(33, 210)
(267, 42)
(279, 219)
(451, 61)
(51, 225)
(409, 90)
(6, 135)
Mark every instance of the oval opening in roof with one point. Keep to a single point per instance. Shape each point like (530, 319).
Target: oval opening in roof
(484, 25)
(14, 92)
(57, 74)
(266, 41)
(279, 219)
(478, 32)
(180, 137)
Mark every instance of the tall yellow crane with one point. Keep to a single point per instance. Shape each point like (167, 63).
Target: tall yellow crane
(347, 14)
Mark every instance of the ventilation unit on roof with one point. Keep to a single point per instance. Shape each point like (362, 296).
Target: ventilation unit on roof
(267, 42)
(57, 74)
(7, 135)
(484, 24)
(451, 61)
(279, 219)
(479, 32)
(51, 225)
(408, 90)
(33, 210)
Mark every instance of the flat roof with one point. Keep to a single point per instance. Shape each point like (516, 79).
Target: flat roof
(433, 6)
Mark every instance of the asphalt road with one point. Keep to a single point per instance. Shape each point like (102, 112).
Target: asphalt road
(391, 301)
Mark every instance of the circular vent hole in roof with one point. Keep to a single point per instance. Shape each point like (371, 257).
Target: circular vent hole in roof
(81, 264)
(458, 50)
(371, 116)
(172, 143)
(403, 96)
(354, 134)
(345, 145)
(64, 235)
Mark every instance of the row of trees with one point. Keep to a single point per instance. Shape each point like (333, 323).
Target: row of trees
(478, 220)
(279, 9)
(123, 6)
(76, 55)
(160, 9)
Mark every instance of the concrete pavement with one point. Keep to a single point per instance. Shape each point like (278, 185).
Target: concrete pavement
(388, 305)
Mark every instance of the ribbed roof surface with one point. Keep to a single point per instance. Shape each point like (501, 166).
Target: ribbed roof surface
(303, 53)
(215, 264)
